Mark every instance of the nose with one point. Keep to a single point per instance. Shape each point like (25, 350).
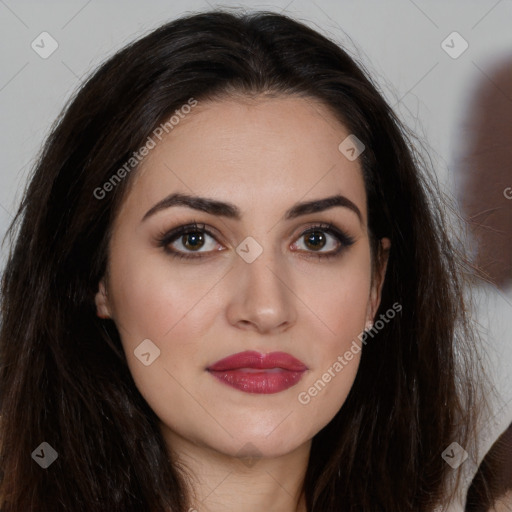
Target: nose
(262, 297)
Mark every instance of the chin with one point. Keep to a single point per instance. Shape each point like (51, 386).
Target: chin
(262, 444)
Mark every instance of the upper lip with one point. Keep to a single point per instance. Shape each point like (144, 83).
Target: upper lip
(253, 359)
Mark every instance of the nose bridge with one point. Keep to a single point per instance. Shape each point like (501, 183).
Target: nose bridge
(265, 274)
(263, 297)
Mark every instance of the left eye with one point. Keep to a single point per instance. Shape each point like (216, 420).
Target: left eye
(318, 239)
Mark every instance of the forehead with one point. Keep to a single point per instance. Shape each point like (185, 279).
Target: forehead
(254, 152)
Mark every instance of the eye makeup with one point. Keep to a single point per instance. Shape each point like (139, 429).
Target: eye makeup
(197, 231)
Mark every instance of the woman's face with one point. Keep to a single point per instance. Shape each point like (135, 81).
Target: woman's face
(257, 278)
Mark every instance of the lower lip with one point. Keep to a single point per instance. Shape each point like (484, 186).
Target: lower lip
(259, 381)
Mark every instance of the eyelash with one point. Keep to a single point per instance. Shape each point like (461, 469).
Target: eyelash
(166, 238)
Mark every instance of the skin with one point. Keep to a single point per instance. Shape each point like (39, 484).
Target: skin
(504, 503)
(263, 155)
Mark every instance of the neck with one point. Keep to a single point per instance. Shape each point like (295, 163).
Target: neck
(225, 483)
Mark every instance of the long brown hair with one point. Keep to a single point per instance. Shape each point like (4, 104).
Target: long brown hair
(64, 379)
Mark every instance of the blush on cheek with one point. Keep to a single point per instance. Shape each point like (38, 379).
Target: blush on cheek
(344, 314)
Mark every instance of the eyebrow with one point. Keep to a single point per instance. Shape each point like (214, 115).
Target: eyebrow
(231, 211)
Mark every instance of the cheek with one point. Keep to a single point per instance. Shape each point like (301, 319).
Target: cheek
(337, 297)
(338, 300)
(154, 299)
(151, 298)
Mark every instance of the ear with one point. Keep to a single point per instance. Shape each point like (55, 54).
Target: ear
(101, 300)
(378, 279)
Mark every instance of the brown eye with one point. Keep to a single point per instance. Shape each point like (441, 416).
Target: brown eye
(190, 241)
(193, 240)
(323, 241)
(315, 240)
(318, 240)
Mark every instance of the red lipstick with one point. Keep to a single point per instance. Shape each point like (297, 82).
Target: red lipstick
(253, 372)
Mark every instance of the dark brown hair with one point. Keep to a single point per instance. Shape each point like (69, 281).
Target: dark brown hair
(64, 378)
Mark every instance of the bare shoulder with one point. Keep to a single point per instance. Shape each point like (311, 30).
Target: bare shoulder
(504, 503)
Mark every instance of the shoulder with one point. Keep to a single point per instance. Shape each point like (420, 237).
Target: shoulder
(503, 504)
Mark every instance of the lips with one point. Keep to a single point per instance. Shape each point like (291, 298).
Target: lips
(253, 372)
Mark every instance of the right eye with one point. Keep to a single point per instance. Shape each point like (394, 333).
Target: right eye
(191, 237)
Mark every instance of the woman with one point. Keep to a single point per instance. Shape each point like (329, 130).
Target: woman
(232, 287)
